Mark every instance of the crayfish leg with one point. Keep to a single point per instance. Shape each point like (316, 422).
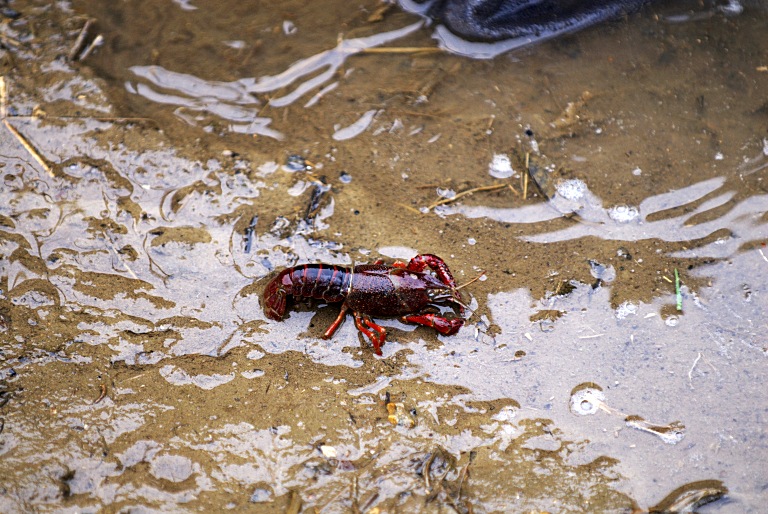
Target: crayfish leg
(336, 323)
(376, 339)
(443, 325)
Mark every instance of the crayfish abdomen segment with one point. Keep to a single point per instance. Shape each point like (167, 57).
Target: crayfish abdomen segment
(319, 281)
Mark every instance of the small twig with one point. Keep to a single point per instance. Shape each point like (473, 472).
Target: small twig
(444, 201)
(353, 494)
(18, 135)
(525, 185)
(153, 264)
(427, 467)
(378, 14)
(491, 119)
(3, 98)
(526, 175)
(249, 233)
(408, 112)
(120, 258)
(513, 190)
(97, 42)
(29, 148)
(400, 50)
(464, 473)
(294, 504)
(80, 41)
(6, 39)
(409, 207)
(101, 118)
(369, 502)
(678, 294)
(690, 371)
(102, 395)
(439, 487)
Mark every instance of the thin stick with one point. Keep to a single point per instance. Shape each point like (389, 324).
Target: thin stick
(444, 201)
(120, 258)
(3, 98)
(97, 118)
(102, 395)
(525, 187)
(527, 174)
(678, 294)
(153, 264)
(426, 468)
(410, 208)
(354, 494)
(80, 40)
(400, 50)
(482, 273)
(294, 504)
(438, 116)
(97, 42)
(8, 39)
(31, 149)
(690, 371)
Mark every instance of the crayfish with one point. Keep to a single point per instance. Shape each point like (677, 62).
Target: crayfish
(407, 290)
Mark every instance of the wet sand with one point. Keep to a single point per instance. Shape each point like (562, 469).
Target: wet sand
(615, 350)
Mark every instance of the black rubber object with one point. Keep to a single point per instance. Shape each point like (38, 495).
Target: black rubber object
(494, 20)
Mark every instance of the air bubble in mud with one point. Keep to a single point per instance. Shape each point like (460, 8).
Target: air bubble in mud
(261, 495)
(506, 414)
(501, 167)
(586, 401)
(623, 213)
(626, 309)
(588, 398)
(572, 189)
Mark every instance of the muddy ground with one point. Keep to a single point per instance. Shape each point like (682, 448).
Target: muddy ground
(611, 184)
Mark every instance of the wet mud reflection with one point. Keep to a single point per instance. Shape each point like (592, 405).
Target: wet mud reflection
(614, 359)
(230, 101)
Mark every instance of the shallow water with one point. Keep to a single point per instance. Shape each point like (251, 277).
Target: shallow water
(146, 197)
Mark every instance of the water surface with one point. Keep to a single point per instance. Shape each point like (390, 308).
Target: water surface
(149, 191)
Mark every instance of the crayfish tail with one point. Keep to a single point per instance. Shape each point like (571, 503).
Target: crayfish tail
(275, 299)
(275, 308)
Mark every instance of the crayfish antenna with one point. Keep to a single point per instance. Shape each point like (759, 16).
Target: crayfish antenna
(465, 284)
(460, 303)
(456, 298)
(471, 312)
